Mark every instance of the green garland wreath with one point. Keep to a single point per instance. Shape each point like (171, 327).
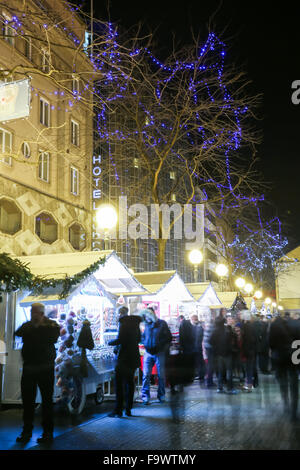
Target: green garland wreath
(15, 275)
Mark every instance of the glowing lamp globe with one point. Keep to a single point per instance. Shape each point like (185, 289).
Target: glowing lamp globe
(106, 217)
(249, 288)
(240, 282)
(280, 307)
(274, 304)
(268, 300)
(258, 294)
(195, 257)
(221, 270)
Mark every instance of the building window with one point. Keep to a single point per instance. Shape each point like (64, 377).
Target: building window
(172, 175)
(9, 34)
(74, 133)
(74, 181)
(136, 162)
(173, 197)
(44, 112)
(28, 48)
(10, 217)
(5, 146)
(26, 150)
(77, 237)
(44, 166)
(75, 86)
(45, 61)
(46, 228)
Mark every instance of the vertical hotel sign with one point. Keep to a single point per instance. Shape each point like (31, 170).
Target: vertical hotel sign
(96, 198)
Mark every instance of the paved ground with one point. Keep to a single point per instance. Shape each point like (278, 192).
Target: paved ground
(199, 419)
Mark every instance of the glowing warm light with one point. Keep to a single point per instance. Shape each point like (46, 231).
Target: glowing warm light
(240, 282)
(195, 257)
(274, 304)
(268, 300)
(249, 288)
(221, 270)
(258, 294)
(106, 217)
(280, 307)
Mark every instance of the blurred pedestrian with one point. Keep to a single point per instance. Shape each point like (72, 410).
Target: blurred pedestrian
(187, 343)
(208, 354)
(283, 331)
(248, 349)
(199, 360)
(157, 339)
(128, 360)
(39, 336)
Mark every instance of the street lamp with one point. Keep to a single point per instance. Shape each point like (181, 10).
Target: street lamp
(222, 271)
(240, 283)
(195, 257)
(106, 219)
(248, 288)
(258, 294)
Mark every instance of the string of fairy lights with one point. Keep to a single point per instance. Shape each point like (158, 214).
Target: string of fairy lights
(107, 61)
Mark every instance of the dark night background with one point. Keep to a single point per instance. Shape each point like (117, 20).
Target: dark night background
(263, 38)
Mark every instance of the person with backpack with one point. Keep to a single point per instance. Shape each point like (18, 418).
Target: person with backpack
(156, 339)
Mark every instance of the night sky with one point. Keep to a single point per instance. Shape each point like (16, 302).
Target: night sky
(263, 38)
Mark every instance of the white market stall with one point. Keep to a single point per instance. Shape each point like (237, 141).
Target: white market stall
(92, 299)
(167, 290)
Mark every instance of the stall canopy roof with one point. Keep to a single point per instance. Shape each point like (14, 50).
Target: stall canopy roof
(165, 284)
(154, 281)
(51, 295)
(227, 298)
(198, 288)
(114, 274)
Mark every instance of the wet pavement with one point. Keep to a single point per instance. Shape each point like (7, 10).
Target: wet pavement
(195, 419)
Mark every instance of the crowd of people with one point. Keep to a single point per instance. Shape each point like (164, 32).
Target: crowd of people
(224, 350)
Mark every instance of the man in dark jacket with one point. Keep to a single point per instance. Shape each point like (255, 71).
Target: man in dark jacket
(38, 352)
(224, 343)
(283, 332)
(156, 339)
(187, 343)
(128, 360)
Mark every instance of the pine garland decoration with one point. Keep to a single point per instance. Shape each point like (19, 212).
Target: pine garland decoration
(15, 275)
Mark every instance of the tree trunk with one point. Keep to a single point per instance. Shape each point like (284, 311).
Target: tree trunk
(161, 253)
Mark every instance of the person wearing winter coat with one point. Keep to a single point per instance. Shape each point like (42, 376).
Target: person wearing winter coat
(208, 353)
(283, 332)
(39, 336)
(199, 360)
(157, 339)
(187, 343)
(128, 360)
(248, 350)
(224, 344)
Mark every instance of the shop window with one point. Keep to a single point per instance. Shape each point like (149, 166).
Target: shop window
(28, 48)
(44, 112)
(10, 217)
(46, 227)
(74, 133)
(74, 182)
(44, 166)
(5, 146)
(45, 61)
(75, 86)
(26, 150)
(9, 34)
(77, 237)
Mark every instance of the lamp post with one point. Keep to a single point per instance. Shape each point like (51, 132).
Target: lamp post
(106, 219)
(240, 283)
(222, 271)
(195, 257)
